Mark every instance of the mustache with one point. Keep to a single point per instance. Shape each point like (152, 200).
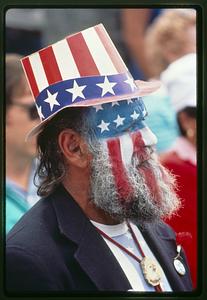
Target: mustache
(142, 156)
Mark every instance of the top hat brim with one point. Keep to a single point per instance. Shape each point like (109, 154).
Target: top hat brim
(144, 88)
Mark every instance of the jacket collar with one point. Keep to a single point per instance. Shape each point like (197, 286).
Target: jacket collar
(92, 253)
(163, 243)
(94, 256)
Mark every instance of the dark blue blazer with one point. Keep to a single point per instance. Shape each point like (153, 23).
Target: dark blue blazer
(54, 247)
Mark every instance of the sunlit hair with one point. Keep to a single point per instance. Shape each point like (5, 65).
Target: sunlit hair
(168, 33)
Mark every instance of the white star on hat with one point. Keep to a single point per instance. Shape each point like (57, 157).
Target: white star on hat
(106, 86)
(130, 81)
(51, 99)
(76, 90)
(134, 115)
(103, 126)
(39, 109)
(119, 121)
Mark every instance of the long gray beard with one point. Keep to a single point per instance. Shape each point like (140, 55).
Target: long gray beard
(144, 207)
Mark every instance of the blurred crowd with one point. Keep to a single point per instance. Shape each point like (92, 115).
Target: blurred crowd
(156, 44)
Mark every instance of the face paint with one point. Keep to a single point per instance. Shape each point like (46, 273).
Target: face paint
(120, 128)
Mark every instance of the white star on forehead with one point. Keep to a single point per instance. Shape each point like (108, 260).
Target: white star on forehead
(51, 99)
(76, 90)
(98, 107)
(103, 126)
(145, 112)
(130, 81)
(106, 86)
(119, 121)
(114, 103)
(134, 115)
(129, 101)
(39, 109)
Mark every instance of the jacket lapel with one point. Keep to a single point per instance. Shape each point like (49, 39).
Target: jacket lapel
(163, 245)
(92, 254)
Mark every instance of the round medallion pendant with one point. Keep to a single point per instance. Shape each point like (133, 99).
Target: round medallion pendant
(151, 270)
(179, 267)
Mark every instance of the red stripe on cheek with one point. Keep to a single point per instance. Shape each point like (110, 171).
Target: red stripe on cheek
(151, 183)
(148, 174)
(123, 186)
(30, 75)
(139, 146)
(82, 56)
(50, 65)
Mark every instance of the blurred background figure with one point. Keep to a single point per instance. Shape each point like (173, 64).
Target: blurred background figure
(134, 23)
(171, 51)
(21, 116)
(162, 118)
(24, 25)
(169, 37)
(180, 80)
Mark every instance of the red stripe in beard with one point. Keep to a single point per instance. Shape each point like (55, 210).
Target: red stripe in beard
(123, 186)
(147, 172)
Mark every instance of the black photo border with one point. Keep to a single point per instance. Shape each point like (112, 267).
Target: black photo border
(201, 8)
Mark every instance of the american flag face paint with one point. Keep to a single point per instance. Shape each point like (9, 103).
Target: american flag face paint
(121, 129)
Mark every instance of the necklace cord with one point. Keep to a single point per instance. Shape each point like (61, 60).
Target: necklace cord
(157, 287)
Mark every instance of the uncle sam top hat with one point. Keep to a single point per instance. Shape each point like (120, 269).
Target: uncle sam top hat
(84, 69)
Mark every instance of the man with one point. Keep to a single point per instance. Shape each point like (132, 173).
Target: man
(21, 116)
(98, 226)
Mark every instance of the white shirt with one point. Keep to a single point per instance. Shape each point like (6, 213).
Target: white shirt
(130, 266)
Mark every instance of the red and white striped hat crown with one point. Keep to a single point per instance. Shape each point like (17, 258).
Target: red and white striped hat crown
(84, 69)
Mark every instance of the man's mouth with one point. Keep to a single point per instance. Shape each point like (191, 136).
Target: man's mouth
(145, 155)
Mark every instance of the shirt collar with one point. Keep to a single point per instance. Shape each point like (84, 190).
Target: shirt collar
(112, 230)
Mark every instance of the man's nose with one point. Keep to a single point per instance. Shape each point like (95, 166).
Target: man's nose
(149, 138)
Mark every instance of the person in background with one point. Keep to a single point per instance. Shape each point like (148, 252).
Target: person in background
(27, 25)
(99, 224)
(171, 36)
(134, 24)
(21, 116)
(162, 118)
(180, 80)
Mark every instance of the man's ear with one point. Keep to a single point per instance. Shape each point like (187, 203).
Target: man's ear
(73, 148)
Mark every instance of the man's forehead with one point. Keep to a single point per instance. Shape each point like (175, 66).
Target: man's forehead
(113, 119)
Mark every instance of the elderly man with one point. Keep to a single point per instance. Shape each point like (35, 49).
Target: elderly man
(98, 225)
